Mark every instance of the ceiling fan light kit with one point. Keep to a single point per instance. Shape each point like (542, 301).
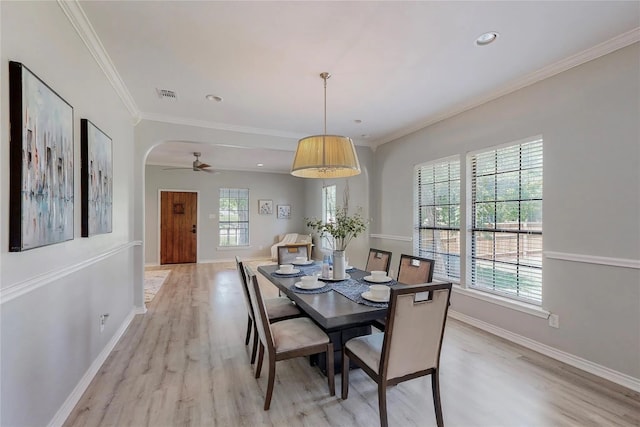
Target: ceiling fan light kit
(325, 156)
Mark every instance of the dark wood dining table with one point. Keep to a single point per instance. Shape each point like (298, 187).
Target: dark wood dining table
(341, 318)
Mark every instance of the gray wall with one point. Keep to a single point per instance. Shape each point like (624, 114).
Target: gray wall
(588, 117)
(282, 189)
(52, 296)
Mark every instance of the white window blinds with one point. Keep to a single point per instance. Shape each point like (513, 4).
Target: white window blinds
(506, 232)
(437, 210)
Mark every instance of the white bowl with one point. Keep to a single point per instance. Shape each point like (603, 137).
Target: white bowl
(286, 268)
(309, 281)
(380, 291)
(377, 274)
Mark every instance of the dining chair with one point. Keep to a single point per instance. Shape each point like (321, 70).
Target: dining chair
(286, 339)
(404, 351)
(414, 270)
(289, 253)
(378, 260)
(280, 308)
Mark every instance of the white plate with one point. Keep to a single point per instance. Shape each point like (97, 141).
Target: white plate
(349, 267)
(384, 279)
(294, 271)
(331, 279)
(367, 295)
(303, 262)
(318, 285)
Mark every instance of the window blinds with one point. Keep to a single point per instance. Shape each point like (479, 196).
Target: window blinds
(506, 232)
(438, 216)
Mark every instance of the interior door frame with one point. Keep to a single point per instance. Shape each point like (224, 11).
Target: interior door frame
(159, 231)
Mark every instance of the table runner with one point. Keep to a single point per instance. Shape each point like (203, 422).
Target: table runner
(353, 290)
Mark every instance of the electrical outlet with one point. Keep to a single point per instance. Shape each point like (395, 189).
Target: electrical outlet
(554, 321)
(103, 320)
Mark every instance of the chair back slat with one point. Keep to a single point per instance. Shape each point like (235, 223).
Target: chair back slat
(260, 310)
(414, 330)
(414, 270)
(378, 260)
(287, 254)
(245, 288)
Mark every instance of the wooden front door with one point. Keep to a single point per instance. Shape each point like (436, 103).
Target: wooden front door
(178, 227)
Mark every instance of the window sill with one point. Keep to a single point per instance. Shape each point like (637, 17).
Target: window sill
(233, 248)
(523, 307)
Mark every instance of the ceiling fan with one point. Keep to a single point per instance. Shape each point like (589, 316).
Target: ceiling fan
(198, 166)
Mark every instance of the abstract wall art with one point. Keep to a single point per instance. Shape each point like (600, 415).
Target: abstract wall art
(96, 180)
(41, 163)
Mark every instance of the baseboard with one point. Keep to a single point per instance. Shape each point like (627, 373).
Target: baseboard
(72, 400)
(575, 361)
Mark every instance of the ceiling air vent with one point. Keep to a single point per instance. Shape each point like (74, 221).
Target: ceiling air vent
(167, 94)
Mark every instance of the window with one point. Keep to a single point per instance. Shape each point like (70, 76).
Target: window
(234, 217)
(506, 221)
(437, 227)
(328, 210)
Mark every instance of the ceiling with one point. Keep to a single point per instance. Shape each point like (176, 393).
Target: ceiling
(396, 66)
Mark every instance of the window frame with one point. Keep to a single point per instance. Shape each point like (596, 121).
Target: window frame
(440, 270)
(472, 230)
(325, 211)
(229, 222)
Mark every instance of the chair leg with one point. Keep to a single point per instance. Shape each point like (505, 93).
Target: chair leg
(260, 357)
(255, 344)
(330, 371)
(382, 402)
(249, 322)
(345, 374)
(435, 386)
(271, 381)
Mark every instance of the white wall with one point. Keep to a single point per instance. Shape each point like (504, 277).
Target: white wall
(588, 117)
(52, 296)
(282, 189)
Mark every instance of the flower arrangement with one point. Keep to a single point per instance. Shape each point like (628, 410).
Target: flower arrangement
(341, 230)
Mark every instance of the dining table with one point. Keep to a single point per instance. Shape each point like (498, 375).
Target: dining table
(338, 308)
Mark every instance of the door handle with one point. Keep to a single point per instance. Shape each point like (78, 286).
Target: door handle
(193, 229)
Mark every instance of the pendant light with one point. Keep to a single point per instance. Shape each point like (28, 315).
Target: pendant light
(325, 156)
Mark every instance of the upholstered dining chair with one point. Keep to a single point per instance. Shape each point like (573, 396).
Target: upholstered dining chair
(404, 351)
(279, 308)
(378, 260)
(412, 270)
(286, 339)
(288, 253)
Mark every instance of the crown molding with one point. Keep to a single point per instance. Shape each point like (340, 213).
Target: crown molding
(83, 27)
(219, 126)
(604, 48)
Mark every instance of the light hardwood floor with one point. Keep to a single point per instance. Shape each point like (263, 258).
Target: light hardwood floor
(184, 363)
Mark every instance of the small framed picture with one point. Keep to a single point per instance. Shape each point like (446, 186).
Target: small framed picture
(265, 207)
(284, 211)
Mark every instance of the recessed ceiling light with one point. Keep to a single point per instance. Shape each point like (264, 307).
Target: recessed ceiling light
(358, 121)
(214, 98)
(364, 135)
(487, 38)
(260, 165)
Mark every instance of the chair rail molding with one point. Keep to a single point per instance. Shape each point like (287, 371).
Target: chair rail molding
(391, 237)
(592, 259)
(21, 288)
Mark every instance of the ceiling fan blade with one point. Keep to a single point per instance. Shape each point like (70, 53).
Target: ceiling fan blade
(203, 165)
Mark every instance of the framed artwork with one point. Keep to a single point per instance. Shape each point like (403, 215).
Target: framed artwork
(40, 162)
(284, 211)
(96, 180)
(265, 207)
